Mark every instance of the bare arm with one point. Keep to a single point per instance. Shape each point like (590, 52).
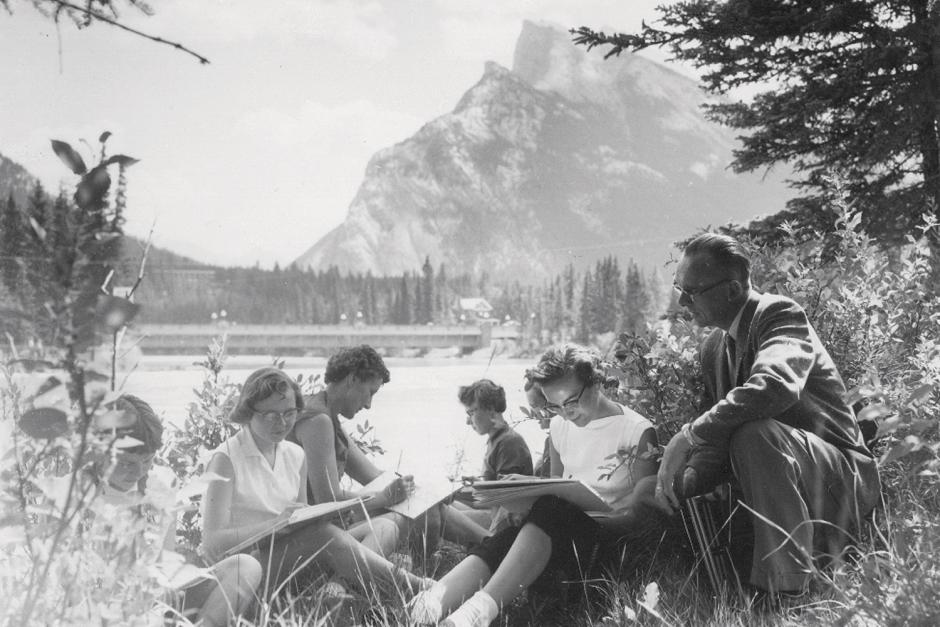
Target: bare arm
(315, 434)
(359, 466)
(645, 464)
(558, 469)
(644, 469)
(219, 531)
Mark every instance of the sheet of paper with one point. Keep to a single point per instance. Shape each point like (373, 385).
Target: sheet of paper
(492, 493)
(302, 514)
(428, 492)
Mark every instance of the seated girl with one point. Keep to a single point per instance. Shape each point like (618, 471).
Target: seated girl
(352, 377)
(556, 537)
(230, 589)
(262, 478)
(506, 451)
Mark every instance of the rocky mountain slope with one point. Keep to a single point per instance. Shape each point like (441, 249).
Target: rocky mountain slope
(566, 157)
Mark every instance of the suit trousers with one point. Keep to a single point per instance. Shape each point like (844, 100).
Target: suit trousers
(805, 496)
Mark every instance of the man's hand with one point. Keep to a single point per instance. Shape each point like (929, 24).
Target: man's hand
(674, 458)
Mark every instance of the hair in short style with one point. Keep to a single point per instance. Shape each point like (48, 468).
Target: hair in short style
(727, 253)
(485, 393)
(147, 428)
(360, 361)
(261, 384)
(558, 361)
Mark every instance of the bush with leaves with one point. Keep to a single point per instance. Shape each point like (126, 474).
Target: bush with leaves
(58, 424)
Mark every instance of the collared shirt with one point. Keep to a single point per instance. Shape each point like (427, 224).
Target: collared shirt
(260, 492)
(731, 333)
(733, 329)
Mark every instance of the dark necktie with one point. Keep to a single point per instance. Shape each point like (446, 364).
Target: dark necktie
(731, 354)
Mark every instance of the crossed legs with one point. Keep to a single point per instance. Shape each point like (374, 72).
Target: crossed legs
(328, 546)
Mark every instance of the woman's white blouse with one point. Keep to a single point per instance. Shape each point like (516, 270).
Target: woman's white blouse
(260, 492)
(586, 451)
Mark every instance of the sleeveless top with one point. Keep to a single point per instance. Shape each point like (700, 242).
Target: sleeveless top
(260, 492)
(584, 451)
(314, 405)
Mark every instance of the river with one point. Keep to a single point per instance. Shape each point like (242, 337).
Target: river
(416, 416)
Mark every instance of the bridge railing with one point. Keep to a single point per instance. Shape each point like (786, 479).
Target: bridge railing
(300, 339)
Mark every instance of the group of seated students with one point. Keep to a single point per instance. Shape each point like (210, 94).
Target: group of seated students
(293, 450)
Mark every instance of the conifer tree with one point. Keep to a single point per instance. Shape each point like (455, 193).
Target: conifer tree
(637, 301)
(584, 317)
(848, 87)
(425, 311)
(11, 246)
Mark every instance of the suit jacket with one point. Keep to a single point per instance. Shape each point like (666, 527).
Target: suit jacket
(781, 371)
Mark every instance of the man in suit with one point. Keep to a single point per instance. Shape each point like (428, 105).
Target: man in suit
(777, 416)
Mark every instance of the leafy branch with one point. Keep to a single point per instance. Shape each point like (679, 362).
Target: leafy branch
(88, 14)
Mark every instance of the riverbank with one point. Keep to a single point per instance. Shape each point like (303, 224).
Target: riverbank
(149, 363)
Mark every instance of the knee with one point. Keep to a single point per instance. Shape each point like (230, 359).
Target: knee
(386, 528)
(402, 524)
(249, 572)
(761, 448)
(755, 439)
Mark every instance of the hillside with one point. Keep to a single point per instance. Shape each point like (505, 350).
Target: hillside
(564, 158)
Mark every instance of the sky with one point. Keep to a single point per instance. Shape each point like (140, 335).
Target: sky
(255, 156)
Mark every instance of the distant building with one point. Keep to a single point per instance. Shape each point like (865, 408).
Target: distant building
(474, 310)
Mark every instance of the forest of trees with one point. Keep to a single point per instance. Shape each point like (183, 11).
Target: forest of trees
(574, 304)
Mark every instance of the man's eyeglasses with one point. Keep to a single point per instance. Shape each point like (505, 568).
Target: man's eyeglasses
(691, 294)
(571, 403)
(288, 415)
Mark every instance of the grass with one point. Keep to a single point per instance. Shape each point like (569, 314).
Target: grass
(892, 579)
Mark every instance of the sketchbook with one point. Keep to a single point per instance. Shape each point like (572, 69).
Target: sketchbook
(428, 492)
(509, 492)
(299, 515)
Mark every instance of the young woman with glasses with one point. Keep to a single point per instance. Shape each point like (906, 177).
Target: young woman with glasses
(262, 477)
(556, 538)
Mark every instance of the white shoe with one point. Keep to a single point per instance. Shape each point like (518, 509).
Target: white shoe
(478, 611)
(425, 608)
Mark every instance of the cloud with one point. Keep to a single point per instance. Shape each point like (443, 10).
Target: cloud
(359, 122)
(361, 27)
(293, 179)
(467, 28)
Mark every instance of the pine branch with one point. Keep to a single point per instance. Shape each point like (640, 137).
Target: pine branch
(96, 15)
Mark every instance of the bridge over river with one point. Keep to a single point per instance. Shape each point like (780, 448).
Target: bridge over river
(316, 339)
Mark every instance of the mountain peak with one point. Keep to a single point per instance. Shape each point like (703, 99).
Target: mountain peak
(566, 158)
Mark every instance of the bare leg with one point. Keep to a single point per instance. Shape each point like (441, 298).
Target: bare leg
(336, 549)
(230, 596)
(379, 533)
(462, 581)
(482, 517)
(459, 528)
(526, 560)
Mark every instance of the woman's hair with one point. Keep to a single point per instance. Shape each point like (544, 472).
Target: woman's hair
(148, 428)
(726, 252)
(361, 361)
(558, 361)
(261, 384)
(485, 393)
